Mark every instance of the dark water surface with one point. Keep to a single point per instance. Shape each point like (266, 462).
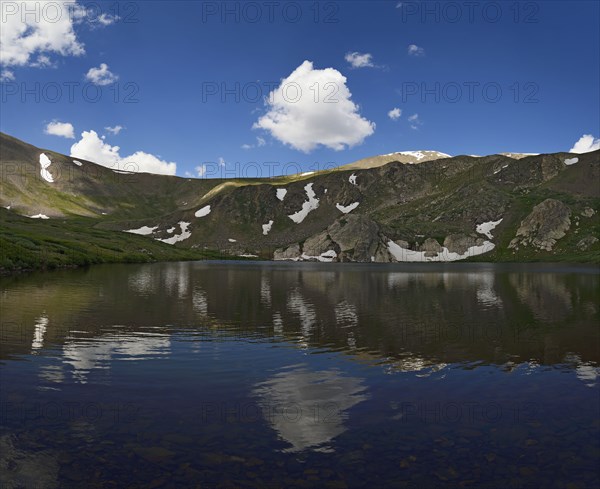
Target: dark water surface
(301, 375)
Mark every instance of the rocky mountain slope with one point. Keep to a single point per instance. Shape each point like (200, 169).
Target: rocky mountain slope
(408, 206)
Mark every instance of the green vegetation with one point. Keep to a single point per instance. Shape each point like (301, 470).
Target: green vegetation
(35, 244)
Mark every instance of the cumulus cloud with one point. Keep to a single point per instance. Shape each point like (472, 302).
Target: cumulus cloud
(395, 113)
(114, 130)
(414, 50)
(7, 76)
(221, 161)
(48, 29)
(62, 129)
(93, 148)
(304, 118)
(586, 143)
(360, 60)
(101, 76)
(415, 122)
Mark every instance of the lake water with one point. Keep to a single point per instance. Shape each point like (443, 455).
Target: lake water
(225, 374)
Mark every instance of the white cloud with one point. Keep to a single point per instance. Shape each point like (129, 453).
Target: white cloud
(415, 121)
(114, 130)
(221, 161)
(414, 50)
(360, 60)
(201, 170)
(106, 19)
(586, 143)
(37, 27)
(395, 113)
(304, 118)
(93, 148)
(43, 61)
(62, 129)
(399, 5)
(101, 76)
(7, 76)
(148, 163)
(259, 142)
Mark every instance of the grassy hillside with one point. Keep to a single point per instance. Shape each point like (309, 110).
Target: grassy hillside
(32, 244)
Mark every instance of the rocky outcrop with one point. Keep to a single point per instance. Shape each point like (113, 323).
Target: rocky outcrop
(357, 236)
(354, 238)
(292, 252)
(318, 244)
(460, 243)
(588, 212)
(547, 223)
(587, 242)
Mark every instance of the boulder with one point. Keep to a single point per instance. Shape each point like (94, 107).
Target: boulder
(317, 244)
(431, 247)
(460, 243)
(292, 252)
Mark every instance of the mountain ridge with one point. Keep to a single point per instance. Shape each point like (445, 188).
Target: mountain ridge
(435, 208)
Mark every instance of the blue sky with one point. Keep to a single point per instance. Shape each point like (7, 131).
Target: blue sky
(481, 78)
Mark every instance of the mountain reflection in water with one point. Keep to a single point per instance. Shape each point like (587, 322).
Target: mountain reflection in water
(274, 373)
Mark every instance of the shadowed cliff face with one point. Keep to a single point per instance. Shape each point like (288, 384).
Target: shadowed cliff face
(435, 208)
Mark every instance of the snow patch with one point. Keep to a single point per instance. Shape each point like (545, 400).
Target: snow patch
(231, 240)
(45, 163)
(306, 173)
(347, 208)
(500, 169)
(267, 227)
(248, 255)
(310, 205)
(205, 211)
(171, 230)
(326, 257)
(405, 255)
(39, 216)
(419, 155)
(144, 230)
(487, 227)
(571, 161)
(185, 234)
(352, 179)
(78, 163)
(281, 193)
